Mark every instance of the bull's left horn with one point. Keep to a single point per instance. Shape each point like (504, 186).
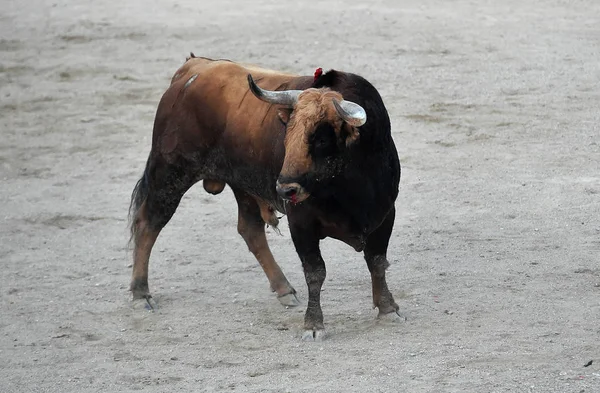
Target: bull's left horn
(350, 112)
(286, 97)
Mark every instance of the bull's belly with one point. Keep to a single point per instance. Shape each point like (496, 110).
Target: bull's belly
(260, 185)
(255, 178)
(262, 188)
(355, 240)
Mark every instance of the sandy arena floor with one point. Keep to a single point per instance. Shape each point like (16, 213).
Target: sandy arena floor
(495, 254)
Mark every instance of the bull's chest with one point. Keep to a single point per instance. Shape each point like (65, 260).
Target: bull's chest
(353, 226)
(345, 231)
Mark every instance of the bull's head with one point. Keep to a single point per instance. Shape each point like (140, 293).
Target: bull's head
(320, 125)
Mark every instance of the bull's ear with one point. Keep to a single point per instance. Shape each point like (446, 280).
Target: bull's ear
(352, 134)
(284, 115)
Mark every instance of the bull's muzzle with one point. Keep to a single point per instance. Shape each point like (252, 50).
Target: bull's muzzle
(293, 192)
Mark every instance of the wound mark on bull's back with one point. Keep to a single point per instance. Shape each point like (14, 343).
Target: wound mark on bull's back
(190, 81)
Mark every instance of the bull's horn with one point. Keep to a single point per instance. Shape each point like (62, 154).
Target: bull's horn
(350, 112)
(286, 97)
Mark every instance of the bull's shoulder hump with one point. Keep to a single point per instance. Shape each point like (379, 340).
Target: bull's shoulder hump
(254, 69)
(201, 65)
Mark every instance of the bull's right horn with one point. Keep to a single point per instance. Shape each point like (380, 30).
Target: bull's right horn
(350, 112)
(287, 98)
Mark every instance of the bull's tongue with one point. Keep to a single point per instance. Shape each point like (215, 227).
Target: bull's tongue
(294, 199)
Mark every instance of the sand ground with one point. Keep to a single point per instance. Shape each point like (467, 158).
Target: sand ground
(495, 254)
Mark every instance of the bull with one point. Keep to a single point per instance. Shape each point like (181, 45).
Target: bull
(316, 148)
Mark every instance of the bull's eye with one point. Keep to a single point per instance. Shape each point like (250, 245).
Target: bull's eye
(323, 142)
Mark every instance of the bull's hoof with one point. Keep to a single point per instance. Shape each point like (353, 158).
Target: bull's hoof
(151, 304)
(140, 294)
(289, 300)
(314, 335)
(148, 303)
(393, 316)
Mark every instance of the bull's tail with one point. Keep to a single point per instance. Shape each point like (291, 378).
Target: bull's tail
(138, 197)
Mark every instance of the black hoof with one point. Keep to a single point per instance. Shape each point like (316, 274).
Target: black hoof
(316, 335)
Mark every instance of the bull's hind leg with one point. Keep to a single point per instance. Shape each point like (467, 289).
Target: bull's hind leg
(252, 228)
(375, 255)
(154, 202)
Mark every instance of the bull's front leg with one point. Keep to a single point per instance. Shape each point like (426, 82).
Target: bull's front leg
(306, 242)
(376, 257)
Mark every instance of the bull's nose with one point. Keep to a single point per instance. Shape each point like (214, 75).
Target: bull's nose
(287, 191)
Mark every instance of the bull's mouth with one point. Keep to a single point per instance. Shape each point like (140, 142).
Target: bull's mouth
(292, 192)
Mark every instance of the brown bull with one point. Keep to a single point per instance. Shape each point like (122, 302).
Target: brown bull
(317, 149)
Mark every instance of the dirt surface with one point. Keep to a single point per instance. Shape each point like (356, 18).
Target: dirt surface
(495, 254)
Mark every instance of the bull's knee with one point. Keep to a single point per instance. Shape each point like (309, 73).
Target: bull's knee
(378, 265)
